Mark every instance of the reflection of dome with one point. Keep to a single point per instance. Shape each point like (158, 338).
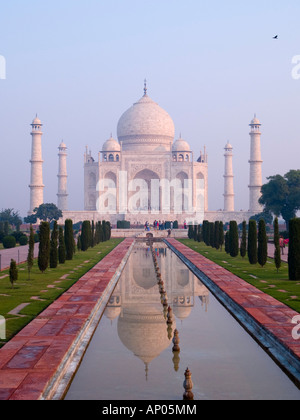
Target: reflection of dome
(145, 124)
(181, 145)
(111, 145)
(112, 312)
(182, 312)
(144, 276)
(143, 330)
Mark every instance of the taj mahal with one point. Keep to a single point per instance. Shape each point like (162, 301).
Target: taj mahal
(146, 174)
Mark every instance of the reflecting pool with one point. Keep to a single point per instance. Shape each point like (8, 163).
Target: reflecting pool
(130, 356)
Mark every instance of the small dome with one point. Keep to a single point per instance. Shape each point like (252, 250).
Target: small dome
(111, 145)
(36, 121)
(181, 145)
(62, 145)
(255, 121)
(228, 146)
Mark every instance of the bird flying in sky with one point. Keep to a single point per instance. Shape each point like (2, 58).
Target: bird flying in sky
(275, 37)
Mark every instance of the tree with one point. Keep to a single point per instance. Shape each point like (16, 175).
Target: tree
(30, 255)
(13, 272)
(281, 195)
(266, 215)
(217, 235)
(277, 254)
(53, 246)
(252, 242)
(79, 243)
(233, 239)
(262, 248)
(45, 212)
(243, 247)
(294, 249)
(85, 235)
(206, 232)
(9, 242)
(12, 217)
(227, 250)
(221, 235)
(44, 246)
(69, 239)
(93, 243)
(190, 232)
(61, 246)
(211, 234)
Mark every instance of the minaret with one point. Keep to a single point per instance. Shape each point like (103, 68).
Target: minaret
(228, 179)
(62, 196)
(36, 181)
(255, 167)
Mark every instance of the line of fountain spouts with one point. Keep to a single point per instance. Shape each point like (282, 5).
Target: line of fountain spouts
(168, 315)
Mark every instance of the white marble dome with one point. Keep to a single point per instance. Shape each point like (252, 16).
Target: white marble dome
(111, 145)
(145, 125)
(181, 145)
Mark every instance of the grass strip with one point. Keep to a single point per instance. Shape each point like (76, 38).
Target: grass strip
(43, 289)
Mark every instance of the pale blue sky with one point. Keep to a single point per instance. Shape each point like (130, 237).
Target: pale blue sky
(210, 64)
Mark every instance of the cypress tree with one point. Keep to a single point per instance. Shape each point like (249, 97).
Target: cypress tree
(277, 253)
(79, 243)
(199, 235)
(217, 235)
(93, 234)
(206, 232)
(227, 250)
(262, 249)
(30, 255)
(211, 234)
(69, 239)
(233, 239)
(195, 232)
(53, 246)
(108, 230)
(252, 242)
(101, 232)
(294, 249)
(85, 235)
(243, 247)
(44, 246)
(61, 246)
(13, 272)
(221, 235)
(190, 232)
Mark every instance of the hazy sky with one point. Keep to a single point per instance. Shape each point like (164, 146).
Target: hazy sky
(210, 64)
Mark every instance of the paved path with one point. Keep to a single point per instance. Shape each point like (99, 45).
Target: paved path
(31, 360)
(271, 249)
(19, 254)
(270, 318)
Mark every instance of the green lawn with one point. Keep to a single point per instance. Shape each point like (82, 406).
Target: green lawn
(47, 287)
(266, 279)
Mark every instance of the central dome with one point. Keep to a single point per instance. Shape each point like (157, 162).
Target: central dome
(146, 126)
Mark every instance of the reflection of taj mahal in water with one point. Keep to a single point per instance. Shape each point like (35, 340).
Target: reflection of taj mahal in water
(137, 306)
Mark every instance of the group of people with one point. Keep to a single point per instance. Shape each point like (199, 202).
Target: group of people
(158, 225)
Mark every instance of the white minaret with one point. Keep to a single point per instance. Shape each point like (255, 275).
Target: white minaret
(36, 181)
(228, 179)
(62, 196)
(255, 167)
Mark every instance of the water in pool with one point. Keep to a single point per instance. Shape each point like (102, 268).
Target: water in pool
(130, 356)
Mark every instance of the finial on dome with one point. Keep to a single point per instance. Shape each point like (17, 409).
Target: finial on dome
(145, 87)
